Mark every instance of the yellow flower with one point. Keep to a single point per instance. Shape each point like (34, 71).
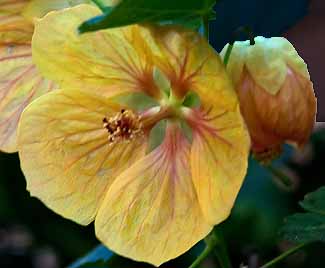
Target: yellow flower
(20, 82)
(275, 92)
(85, 151)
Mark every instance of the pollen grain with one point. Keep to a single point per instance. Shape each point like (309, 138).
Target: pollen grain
(123, 126)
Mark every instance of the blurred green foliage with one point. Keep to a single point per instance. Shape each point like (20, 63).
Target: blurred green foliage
(309, 226)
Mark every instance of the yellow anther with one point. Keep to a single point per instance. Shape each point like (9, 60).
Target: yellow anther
(123, 126)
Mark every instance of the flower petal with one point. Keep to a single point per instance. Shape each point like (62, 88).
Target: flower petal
(189, 62)
(97, 61)
(39, 8)
(219, 157)
(65, 154)
(13, 26)
(272, 119)
(151, 212)
(20, 83)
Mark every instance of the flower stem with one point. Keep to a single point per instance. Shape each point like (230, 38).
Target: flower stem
(228, 52)
(284, 255)
(205, 20)
(220, 249)
(210, 245)
(215, 242)
(280, 175)
(241, 29)
(99, 3)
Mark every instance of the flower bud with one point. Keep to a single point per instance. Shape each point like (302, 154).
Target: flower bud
(275, 92)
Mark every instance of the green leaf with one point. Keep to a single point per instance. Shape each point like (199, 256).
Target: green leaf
(309, 226)
(315, 202)
(141, 11)
(304, 227)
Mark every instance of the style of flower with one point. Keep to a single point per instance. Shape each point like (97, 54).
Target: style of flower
(85, 149)
(275, 93)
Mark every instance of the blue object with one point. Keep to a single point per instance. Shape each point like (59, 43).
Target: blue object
(99, 253)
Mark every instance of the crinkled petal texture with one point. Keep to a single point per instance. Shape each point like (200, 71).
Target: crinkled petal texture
(14, 28)
(20, 83)
(65, 154)
(119, 62)
(126, 57)
(191, 64)
(289, 116)
(39, 8)
(219, 154)
(220, 145)
(151, 212)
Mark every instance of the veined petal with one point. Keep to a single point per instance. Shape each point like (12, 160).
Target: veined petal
(20, 83)
(98, 61)
(219, 157)
(151, 212)
(39, 8)
(190, 63)
(13, 6)
(65, 154)
(14, 28)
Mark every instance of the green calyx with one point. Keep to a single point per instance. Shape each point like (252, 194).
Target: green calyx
(172, 103)
(169, 99)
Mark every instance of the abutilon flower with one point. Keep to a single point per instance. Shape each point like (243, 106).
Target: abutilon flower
(86, 149)
(275, 93)
(20, 82)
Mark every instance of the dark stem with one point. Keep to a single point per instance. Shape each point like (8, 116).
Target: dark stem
(210, 246)
(221, 250)
(279, 174)
(246, 30)
(284, 255)
(228, 53)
